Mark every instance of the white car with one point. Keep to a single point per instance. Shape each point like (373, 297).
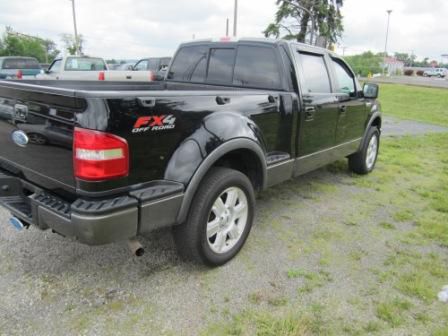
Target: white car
(435, 72)
(90, 68)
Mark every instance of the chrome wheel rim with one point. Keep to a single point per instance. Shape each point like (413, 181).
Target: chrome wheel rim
(372, 151)
(227, 220)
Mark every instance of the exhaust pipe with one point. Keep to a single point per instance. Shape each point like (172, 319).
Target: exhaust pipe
(135, 247)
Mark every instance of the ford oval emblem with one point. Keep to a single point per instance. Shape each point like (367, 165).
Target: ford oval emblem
(20, 138)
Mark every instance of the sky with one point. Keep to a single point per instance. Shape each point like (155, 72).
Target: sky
(136, 29)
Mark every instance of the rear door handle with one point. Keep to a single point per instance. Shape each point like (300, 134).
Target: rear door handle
(222, 100)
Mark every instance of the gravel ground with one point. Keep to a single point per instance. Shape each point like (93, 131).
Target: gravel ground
(52, 286)
(397, 127)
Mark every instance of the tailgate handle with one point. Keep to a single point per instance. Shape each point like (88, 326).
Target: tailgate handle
(222, 100)
(147, 101)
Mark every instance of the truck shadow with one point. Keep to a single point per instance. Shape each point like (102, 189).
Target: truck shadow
(45, 253)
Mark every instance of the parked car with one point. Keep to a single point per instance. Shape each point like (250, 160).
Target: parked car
(435, 72)
(158, 65)
(16, 67)
(231, 119)
(89, 68)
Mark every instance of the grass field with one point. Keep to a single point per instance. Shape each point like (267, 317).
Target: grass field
(403, 210)
(415, 103)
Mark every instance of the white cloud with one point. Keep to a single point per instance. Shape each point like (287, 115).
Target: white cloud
(140, 28)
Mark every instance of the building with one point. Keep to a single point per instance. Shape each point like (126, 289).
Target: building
(393, 66)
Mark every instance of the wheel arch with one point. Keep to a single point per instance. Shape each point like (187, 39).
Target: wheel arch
(374, 121)
(242, 154)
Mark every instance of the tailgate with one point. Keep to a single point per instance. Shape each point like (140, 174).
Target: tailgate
(36, 133)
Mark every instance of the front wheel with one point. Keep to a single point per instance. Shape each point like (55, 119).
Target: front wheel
(219, 220)
(363, 162)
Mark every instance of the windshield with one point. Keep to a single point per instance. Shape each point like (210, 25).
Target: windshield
(84, 64)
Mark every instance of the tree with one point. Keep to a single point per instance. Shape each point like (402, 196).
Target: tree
(17, 44)
(51, 49)
(292, 22)
(366, 63)
(407, 59)
(71, 45)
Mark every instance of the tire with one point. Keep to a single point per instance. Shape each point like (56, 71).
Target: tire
(363, 162)
(195, 240)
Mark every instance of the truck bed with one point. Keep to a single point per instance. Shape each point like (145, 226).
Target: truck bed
(48, 111)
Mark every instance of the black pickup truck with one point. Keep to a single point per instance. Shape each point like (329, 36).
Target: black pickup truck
(104, 162)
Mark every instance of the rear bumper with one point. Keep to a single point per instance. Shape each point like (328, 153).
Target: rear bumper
(94, 222)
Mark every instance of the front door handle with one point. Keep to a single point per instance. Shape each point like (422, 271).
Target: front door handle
(222, 100)
(309, 112)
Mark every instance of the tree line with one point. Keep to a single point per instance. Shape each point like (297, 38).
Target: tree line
(369, 62)
(44, 50)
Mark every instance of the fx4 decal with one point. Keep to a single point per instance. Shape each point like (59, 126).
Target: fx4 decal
(154, 123)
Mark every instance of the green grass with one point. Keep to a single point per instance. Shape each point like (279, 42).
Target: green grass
(393, 312)
(409, 189)
(415, 103)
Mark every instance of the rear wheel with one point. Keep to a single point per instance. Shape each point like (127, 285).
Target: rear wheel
(220, 218)
(364, 161)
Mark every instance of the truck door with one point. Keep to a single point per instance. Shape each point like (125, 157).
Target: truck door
(319, 115)
(352, 106)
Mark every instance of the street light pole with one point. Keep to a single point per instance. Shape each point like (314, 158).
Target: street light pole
(235, 19)
(313, 21)
(389, 11)
(74, 25)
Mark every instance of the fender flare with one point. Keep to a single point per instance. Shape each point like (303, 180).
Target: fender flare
(374, 116)
(209, 161)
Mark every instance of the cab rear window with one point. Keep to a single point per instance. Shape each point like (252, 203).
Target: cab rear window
(20, 63)
(84, 64)
(242, 66)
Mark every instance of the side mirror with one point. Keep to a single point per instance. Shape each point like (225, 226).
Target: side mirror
(371, 90)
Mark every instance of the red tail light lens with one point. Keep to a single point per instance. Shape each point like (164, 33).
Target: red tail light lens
(152, 76)
(101, 76)
(99, 156)
(19, 74)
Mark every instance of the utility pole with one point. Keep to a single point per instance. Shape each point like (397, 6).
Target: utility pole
(235, 19)
(389, 11)
(227, 27)
(76, 29)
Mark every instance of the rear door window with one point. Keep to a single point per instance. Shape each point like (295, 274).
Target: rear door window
(257, 67)
(220, 69)
(190, 64)
(315, 73)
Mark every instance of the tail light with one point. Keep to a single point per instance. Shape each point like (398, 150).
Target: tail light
(152, 76)
(19, 74)
(101, 76)
(99, 156)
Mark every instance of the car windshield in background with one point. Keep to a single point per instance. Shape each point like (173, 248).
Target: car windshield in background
(20, 63)
(84, 64)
